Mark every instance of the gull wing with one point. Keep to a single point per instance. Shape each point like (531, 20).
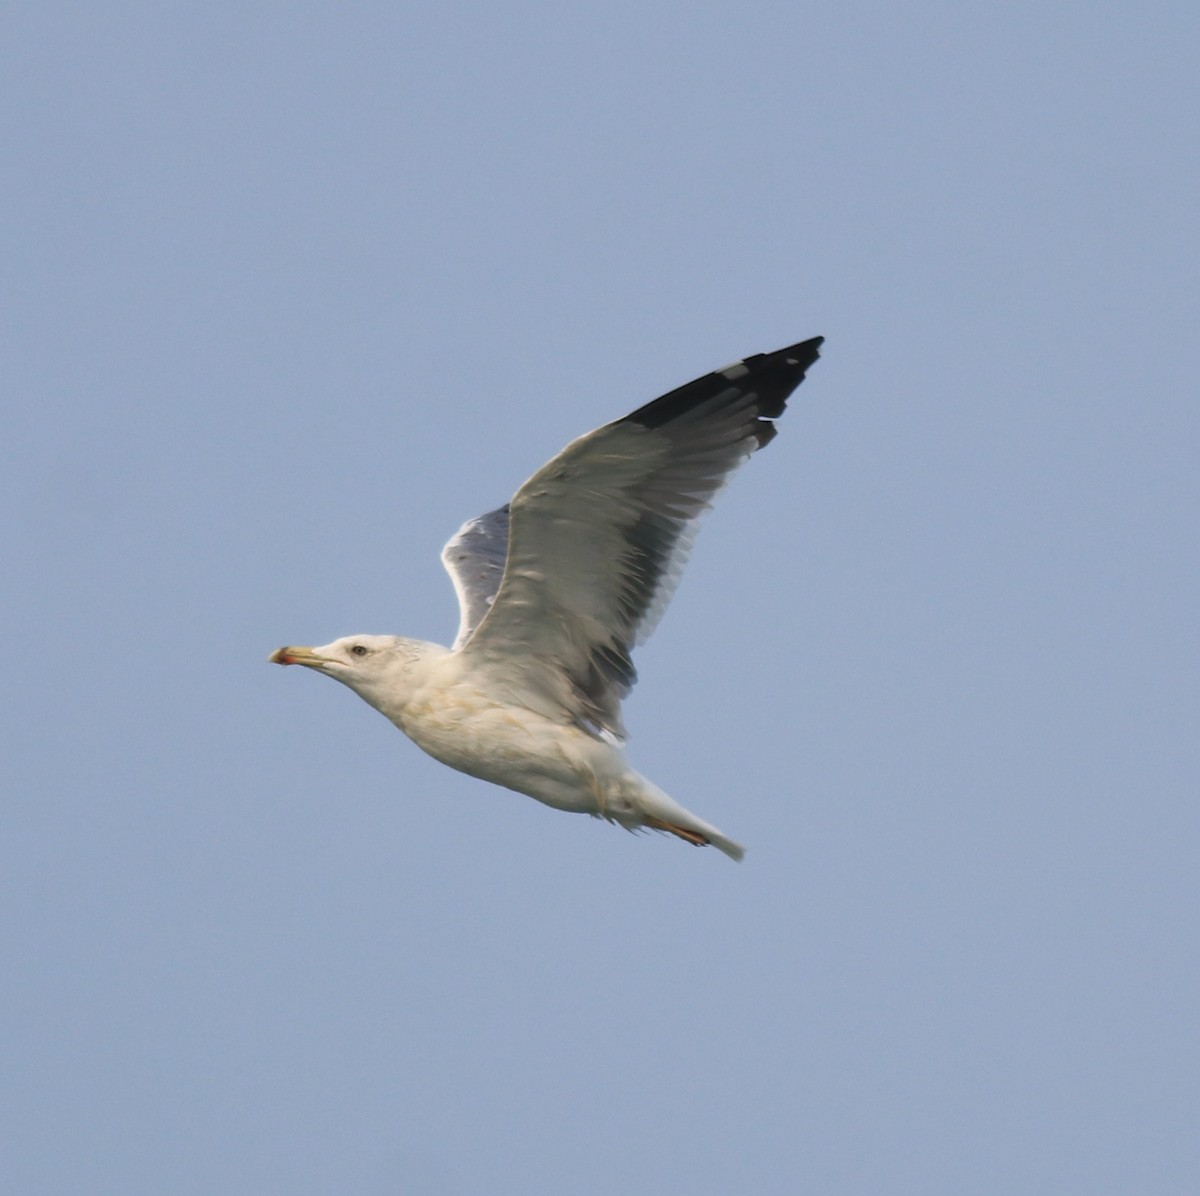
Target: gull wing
(598, 537)
(474, 558)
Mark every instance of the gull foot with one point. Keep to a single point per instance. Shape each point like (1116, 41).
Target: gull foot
(692, 837)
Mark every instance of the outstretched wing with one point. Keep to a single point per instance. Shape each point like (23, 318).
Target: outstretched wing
(474, 558)
(599, 536)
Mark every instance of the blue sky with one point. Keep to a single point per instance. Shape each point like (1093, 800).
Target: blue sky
(293, 290)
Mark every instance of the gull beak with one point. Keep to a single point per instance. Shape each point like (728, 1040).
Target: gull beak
(305, 656)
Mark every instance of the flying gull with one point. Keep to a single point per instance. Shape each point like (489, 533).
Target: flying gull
(555, 590)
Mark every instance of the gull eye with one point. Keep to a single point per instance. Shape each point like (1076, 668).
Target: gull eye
(359, 650)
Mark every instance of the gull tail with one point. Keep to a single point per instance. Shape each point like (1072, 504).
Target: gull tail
(662, 813)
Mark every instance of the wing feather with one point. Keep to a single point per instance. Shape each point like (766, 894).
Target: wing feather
(598, 538)
(474, 558)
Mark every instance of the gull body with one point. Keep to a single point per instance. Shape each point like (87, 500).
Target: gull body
(556, 588)
(456, 713)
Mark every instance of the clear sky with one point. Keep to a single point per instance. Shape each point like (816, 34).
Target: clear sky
(291, 290)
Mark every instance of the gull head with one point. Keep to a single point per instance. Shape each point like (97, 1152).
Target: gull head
(374, 666)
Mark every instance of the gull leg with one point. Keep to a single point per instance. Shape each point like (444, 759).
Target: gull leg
(600, 793)
(692, 837)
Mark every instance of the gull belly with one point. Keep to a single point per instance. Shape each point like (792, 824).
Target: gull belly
(465, 727)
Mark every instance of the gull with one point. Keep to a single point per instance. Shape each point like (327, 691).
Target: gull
(557, 587)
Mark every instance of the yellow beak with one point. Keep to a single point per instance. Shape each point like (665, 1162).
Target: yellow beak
(305, 656)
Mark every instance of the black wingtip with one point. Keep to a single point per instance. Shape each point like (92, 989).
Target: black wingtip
(776, 375)
(771, 376)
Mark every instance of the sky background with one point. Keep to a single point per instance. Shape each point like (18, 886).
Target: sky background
(291, 290)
